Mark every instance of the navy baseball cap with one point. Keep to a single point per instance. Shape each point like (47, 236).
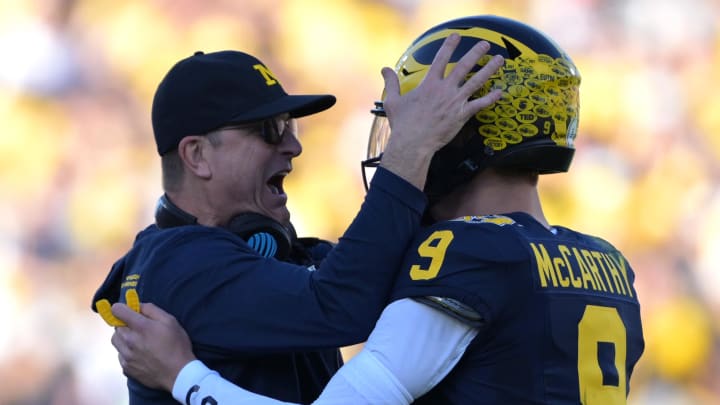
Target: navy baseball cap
(207, 91)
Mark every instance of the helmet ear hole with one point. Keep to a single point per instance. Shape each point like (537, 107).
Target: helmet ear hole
(456, 163)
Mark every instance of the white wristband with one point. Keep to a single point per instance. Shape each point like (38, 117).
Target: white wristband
(189, 377)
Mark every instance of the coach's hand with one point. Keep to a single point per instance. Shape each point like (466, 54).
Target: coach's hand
(153, 347)
(426, 118)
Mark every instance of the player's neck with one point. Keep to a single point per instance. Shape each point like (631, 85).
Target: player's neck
(489, 194)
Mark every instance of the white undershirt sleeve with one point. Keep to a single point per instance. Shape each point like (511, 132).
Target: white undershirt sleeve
(412, 348)
(415, 343)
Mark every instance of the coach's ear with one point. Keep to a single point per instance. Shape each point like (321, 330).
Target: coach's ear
(194, 152)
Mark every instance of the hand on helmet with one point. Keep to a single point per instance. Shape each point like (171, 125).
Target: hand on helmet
(428, 117)
(432, 114)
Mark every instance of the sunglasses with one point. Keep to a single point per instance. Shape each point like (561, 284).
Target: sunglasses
(272, 130)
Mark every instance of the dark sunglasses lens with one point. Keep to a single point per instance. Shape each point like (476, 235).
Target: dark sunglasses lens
(271, 132)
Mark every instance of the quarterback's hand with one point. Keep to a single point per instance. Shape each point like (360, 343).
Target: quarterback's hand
(103, 307)
(153, 347)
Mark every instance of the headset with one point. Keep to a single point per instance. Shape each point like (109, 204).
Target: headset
(265, 235)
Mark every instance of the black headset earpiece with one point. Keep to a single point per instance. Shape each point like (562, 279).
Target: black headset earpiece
(168, 215)
(267, 236)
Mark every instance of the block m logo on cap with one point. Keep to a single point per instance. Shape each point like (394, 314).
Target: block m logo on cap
(270, 78)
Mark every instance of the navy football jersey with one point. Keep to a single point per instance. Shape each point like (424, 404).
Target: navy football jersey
(559, 313)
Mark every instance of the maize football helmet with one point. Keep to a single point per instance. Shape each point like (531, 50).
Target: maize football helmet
(532, 126)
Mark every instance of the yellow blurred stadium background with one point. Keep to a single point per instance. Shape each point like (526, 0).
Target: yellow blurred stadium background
(79, 174)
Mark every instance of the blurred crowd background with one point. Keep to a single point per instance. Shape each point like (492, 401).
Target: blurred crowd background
(79, 174)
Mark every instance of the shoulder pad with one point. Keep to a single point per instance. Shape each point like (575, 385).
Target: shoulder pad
(499, 220)
(454, 308)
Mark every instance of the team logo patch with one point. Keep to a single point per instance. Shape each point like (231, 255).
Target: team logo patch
(269, 76)
(499, 220)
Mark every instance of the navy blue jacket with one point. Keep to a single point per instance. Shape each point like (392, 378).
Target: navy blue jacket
(560, 315)
(262, 323)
